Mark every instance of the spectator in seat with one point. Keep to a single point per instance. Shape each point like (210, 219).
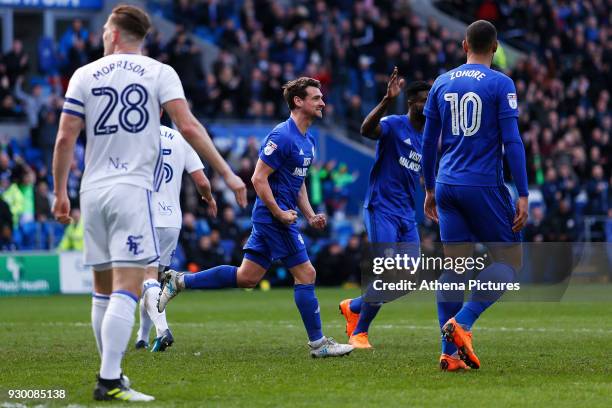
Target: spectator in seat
(208, 254)
(16, 62)
(42, 202)
(13, 195)
(597, 191)
(228, 228)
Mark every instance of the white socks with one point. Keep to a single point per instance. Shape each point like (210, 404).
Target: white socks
(145, 322)
(116, 330)
(99, 303)
(149, 297)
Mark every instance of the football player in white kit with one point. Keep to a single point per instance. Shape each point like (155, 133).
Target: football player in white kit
(117, 99)
(167, 219)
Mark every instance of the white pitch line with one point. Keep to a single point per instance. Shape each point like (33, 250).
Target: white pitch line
(289, 325)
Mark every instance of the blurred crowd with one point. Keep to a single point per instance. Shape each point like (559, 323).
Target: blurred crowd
(350, 47)
(563, 83)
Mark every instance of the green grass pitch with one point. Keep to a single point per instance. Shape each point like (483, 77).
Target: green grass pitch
(238, 349)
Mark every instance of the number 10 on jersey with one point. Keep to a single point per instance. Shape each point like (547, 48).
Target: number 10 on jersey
(460, 112)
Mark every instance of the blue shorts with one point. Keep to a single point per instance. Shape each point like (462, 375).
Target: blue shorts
(475, 214)
(386, 228)
(269, 242)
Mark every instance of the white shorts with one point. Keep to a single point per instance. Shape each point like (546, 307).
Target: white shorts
(168, 237)
(118, 226)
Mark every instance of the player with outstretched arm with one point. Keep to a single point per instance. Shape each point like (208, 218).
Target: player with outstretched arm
(389, 205)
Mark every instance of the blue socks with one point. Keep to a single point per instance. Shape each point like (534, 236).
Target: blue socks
(449, 304)
(355, 304)
(308, 305)
(482, 299)
(367, 314)
(223, 276)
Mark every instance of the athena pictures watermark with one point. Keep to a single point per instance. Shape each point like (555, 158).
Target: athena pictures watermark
(541, 271)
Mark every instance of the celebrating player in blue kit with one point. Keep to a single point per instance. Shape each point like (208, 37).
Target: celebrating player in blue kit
(284, 158)
(475, 109)
(389, 204)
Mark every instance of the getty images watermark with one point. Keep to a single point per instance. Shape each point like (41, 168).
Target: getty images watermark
(534, 271)
(404, 264)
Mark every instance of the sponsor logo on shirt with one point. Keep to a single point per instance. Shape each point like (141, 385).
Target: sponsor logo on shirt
(115, 163)
(300, 171)
(270, 148)
(412, 163)
(164, 208)
(512, 101)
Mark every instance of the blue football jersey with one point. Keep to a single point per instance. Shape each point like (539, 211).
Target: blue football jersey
(290, 153)
(395, 174)
(469, 101)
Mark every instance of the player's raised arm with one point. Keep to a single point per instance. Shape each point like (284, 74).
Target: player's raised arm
(370, 127)
(197, 136)
(317, 221)
(264, 192)
(69, 128)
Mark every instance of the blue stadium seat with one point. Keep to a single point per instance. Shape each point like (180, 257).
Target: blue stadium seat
(342, 231)
(202, 227)
(342, 227)
(205, 34)
(18, 238)
(244, 223)
(33, 156)
(31, 234)
(57, 232)
(179, 258)
(228, 246)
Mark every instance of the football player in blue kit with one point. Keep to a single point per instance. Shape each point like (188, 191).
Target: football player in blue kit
(475, 111)
(284, 158)
(389, 204)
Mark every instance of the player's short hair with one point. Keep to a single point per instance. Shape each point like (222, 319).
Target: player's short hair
(414, 88)
(297, 87)
(131, 20)
(480, 36)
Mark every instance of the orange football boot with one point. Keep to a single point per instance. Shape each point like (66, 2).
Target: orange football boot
(351, 318)
(360, 340)
(453, 332)
(450, 363)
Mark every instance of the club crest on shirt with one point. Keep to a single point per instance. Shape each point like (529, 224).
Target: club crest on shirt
(512, 101)
(270, 148)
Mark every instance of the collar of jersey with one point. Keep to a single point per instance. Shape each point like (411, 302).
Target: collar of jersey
(292, 123)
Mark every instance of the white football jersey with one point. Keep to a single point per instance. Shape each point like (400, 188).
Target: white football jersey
(178, 155)
(119, 97)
